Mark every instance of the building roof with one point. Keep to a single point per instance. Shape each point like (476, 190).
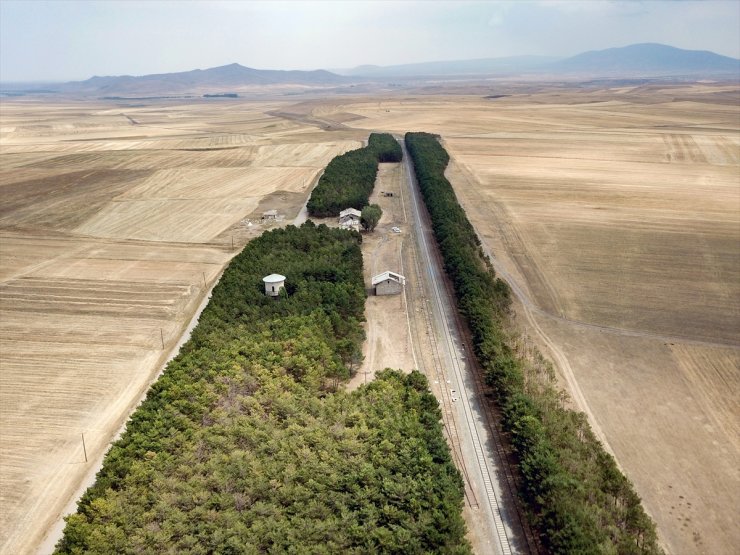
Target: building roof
(270, 213)
(350, 212)
(273, 278)
(389, 275)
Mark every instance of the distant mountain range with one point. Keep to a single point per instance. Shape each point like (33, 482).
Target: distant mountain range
(228, 78)
(649, 59)
(635, 61)
(483, 66)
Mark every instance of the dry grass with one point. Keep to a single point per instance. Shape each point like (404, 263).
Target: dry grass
(111, 230)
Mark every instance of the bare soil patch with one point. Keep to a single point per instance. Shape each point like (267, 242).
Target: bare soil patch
(388, 343)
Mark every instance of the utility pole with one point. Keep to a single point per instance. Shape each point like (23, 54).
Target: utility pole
(84, 449)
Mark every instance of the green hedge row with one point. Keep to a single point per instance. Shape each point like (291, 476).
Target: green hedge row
(349, 178)
(574, 493)
(244, 445)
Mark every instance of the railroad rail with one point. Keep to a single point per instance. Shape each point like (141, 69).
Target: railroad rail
(479, 471)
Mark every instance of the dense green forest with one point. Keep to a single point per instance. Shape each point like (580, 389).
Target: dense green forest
(385, 147)
(575, 496)
(245, 445)
(349, 178)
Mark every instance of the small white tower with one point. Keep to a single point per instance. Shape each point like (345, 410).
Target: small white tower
(273, 284)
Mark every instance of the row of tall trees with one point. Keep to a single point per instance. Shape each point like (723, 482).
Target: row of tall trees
(244, 445)
(386, 148)
(574, 493)
(349, 178)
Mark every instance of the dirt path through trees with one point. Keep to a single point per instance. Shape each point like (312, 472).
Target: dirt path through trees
(388, 342)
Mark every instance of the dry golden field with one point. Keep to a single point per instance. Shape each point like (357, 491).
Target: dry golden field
(616, 212)
(114, 222)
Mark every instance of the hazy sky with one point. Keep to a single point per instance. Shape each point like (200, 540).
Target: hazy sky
(65, 40)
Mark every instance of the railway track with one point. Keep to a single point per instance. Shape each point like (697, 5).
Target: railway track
(470, 428)
(423, 334)
(481, 390)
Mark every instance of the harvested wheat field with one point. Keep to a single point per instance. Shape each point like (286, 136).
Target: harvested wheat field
(616, 215)
(114, 223)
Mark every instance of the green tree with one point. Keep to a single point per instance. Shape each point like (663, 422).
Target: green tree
(370, 217)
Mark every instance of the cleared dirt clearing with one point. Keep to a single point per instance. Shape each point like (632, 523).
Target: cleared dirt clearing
(388, 343)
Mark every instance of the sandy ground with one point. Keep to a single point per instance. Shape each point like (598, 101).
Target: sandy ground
(114, 220)
(617, 214)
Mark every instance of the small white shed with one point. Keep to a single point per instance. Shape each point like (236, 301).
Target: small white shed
(273, 284)
(388, 283)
